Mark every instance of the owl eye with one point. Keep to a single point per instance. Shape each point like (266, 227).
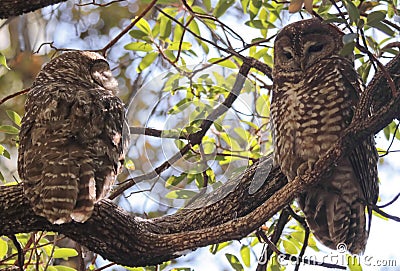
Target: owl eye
(288, 55)
(315, 48)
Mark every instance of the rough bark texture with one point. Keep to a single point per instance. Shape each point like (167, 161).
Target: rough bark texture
(10, 8)
(251, 199)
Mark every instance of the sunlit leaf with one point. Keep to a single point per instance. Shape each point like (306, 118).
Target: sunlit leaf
(147, 60)
(225, 63)
(3, 248)
(64, 253)
(289, 247)
(64, 268)
(3, 61)
(165, 27)
(143, 25)
(222, 6)
(183, 46)
(4, 152)
(217, 247)
(172, 181)
(8, 129)
(254, 8)
(129, 164)
(245, 254)
(234, 261)
(139, 46)
(180, 194)
(14, 116)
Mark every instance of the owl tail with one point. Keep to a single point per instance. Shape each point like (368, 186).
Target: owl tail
(334, 211)
(87, 194)
(59, 188)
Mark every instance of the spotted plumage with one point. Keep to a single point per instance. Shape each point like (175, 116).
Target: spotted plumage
(315, 92)
(73, 136)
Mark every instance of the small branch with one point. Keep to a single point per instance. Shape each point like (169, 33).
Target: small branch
(194, 139)
(21, 257)
(11, 96)
(390, 202)
(126, 29)
(154, 132)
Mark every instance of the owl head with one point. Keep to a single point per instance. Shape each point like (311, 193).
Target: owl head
(80, 68)
(301, 45)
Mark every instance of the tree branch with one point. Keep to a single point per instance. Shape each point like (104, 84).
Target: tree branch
(231, 212)
(10, 8)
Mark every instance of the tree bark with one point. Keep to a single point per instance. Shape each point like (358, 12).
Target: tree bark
(10, 8)
(249, 199)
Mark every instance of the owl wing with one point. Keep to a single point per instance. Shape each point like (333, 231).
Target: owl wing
(364, 157)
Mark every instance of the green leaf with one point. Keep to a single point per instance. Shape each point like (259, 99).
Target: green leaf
(64, 253)
(234, 261)
(138, 34)
(207, 4)
(165, 27)
(8, 129)
(222, 6)
(3, 61)
(4, 152)
(174, 180)
(64, 268)
(225, 63)
(354, 13)
(245, 254)
(217, 247)
(289, 247)
(139, 46)
(143, 25)
(263, 105)
(180, 194)
(175, 46)
(375, 17)
(14, 116)
(347, 49)
(147, 60)
(3, 248)
(382, 27)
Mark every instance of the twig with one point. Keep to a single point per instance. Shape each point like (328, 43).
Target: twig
(5, 99)
(21, 257)
(384, 214)
(126, 29)
(194, 139)
(276, 235)
(154, 132)
(390, 202)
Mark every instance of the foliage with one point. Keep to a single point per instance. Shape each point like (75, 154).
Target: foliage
(175, 66)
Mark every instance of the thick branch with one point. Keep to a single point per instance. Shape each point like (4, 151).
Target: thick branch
(248, 202)
(10, 8)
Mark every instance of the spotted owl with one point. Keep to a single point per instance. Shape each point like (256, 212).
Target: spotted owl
(73, 137)
(315, 92)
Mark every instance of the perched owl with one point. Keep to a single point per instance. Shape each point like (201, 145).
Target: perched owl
(73, 137)
(315, 92)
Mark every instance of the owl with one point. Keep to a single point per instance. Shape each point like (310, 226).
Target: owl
(73, 137)
(315, 92)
